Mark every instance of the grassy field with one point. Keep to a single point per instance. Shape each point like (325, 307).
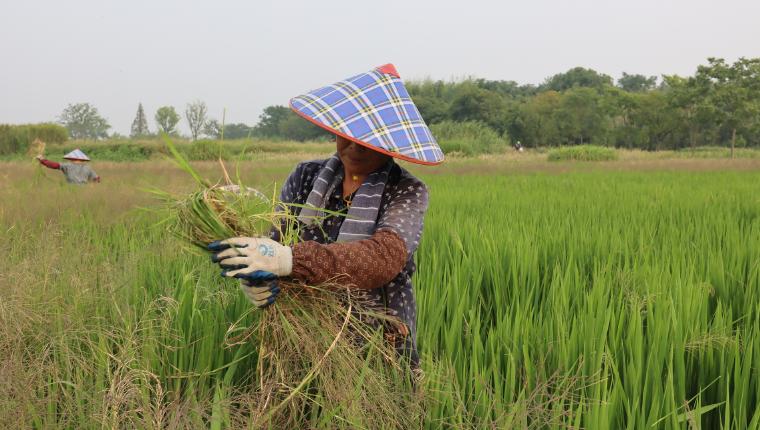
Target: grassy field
(607, 295)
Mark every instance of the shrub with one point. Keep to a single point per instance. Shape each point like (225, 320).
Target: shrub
(17, 138)
(206, 150)
(469, 137)
(582, 153)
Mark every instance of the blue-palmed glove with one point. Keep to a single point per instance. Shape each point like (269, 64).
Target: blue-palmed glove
(261, 288)
(257, 262)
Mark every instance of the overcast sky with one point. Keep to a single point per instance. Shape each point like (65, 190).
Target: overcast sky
(246, 55)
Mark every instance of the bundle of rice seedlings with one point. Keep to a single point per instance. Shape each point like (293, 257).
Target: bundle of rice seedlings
(37, 147)
(321, 361)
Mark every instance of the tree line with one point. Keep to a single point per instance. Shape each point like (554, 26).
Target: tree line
(718, 105)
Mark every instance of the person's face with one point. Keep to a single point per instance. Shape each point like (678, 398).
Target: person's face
(357, 158)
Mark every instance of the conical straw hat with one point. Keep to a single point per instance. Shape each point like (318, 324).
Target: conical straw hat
(375, 110)
(77, 154)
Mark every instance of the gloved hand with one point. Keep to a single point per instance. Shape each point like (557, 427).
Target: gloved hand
(242, 257)
(261, 288)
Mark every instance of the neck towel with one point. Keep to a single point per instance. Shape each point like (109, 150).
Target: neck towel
(362, 215)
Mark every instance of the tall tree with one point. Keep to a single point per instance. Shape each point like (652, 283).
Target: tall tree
(213, 129)
(166, 119)
(140, 123)
(84, 122)
(237, 131)
(270, 119)
(637, 83)
(196, 117)
(732, 91)
(577, 77)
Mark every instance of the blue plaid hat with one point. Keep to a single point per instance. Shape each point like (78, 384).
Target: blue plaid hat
(372, 109)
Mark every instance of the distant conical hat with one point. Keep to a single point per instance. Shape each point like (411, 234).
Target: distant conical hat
(375, 110)
(77, 154)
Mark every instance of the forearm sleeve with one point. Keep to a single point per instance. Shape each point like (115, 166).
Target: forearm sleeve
(50, 164)
(369, 263)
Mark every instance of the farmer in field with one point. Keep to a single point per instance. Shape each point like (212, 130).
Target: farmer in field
(370, 248)
(76, 170)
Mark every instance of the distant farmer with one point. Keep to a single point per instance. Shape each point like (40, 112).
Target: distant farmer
(77, 171)
(371, 246)
(518, 146)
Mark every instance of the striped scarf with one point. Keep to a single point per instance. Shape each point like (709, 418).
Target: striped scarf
(362, 215)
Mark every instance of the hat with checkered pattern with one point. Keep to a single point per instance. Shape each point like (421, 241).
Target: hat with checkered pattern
(372, 109)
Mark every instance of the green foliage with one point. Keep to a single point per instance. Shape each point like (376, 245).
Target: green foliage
(139, 124)
(84, 122)
(206, 150)
(17, 138)
(637, 83)
(720, 105)
(468, 138)
(577, 77)
(281, 122)
(166, 119)
(598, 300)
(237, 131)
(582, 153)
(195, 114)
(140, 150)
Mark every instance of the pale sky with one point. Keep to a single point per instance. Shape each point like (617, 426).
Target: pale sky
(246, 55)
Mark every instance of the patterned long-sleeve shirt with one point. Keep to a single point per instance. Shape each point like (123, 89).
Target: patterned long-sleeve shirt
(382, 265)
(74, 173)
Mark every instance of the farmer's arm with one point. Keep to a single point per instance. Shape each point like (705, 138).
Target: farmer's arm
(373, 262)
(368, 263)
(93, 177)
(49, 164)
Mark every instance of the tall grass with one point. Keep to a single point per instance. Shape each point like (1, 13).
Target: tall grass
(468, 138)
(582, 153)
(600, 300)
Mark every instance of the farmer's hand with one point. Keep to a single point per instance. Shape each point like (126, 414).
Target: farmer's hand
(242, 257)
(261, 288)
(38, 157)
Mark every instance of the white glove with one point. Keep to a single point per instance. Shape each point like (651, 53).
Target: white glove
(261, 293)
(241, 257)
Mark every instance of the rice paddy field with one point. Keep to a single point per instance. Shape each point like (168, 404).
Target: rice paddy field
(612, 295)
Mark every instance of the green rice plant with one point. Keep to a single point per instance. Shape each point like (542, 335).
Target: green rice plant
(582, 153)
(551, 299)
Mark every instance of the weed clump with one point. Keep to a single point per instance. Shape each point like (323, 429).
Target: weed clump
(582, 153)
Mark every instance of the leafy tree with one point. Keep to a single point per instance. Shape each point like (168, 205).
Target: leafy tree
(140, 124)
(212, 129)
(296, 128)
(195, 113)
(538, 119)
(686, 99)
(476, 104)
(576, 77)
(732, 91)
(269, 121)
(84, 122)
(281, 122)
(637, 83)
(432, 109)
(510, 89)
(166, 119)
(237, 131)
(581, 118)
